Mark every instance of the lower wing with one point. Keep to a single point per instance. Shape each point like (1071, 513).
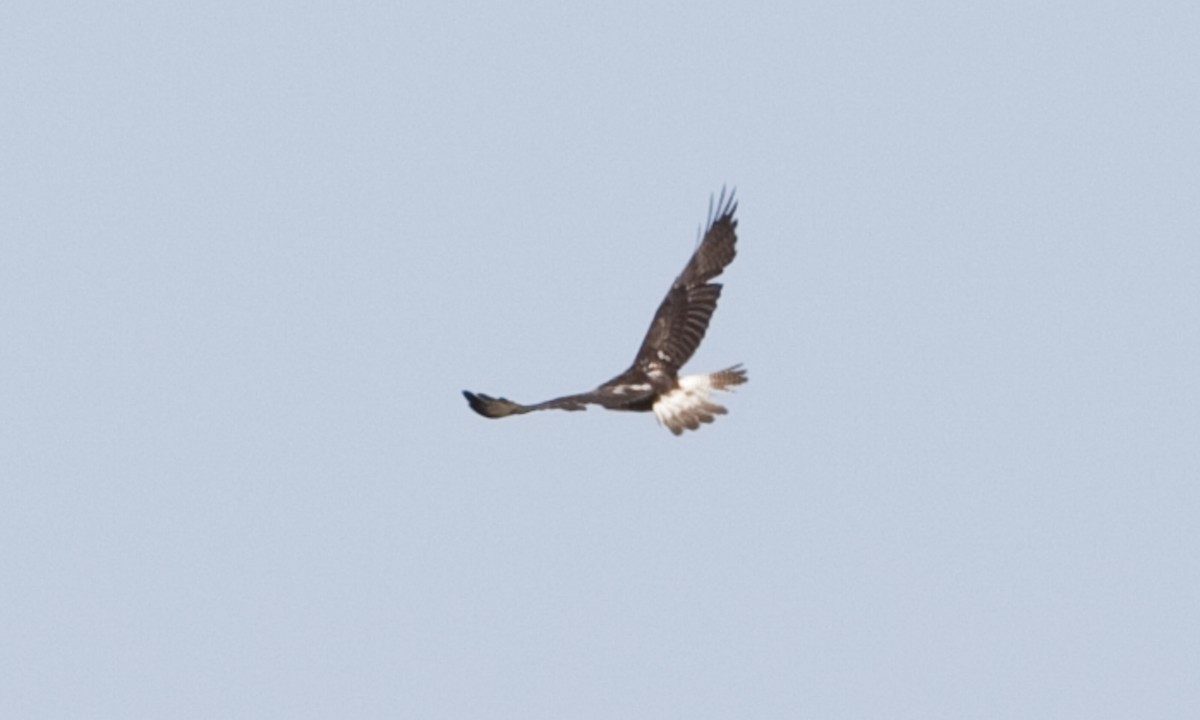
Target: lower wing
(491, 407)
(609, 396)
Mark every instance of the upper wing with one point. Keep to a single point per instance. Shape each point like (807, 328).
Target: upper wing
(682, 318)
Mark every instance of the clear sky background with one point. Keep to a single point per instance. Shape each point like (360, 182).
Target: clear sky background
(252, 252)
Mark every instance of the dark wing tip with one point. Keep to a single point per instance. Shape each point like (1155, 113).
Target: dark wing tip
(475, 401)
(718, 246)
(493, 407)
(722, 207)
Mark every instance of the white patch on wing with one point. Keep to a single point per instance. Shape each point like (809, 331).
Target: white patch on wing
(690, 404)
(633, 387)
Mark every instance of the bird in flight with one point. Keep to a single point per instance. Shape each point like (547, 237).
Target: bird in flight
(653, 381)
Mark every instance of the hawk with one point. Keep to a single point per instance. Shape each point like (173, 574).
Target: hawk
(653, 381)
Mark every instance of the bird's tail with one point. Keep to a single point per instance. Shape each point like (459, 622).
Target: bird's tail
(690, 403)
(728, 377)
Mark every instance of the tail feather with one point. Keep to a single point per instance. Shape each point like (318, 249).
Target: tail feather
(728, 377)
(689, 405)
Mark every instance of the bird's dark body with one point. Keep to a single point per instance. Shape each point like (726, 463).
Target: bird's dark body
(642, 405)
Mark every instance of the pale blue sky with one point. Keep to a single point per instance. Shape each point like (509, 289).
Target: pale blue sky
(252, 253)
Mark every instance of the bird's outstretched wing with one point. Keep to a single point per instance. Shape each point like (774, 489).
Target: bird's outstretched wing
(613, 397)
(682, 318)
